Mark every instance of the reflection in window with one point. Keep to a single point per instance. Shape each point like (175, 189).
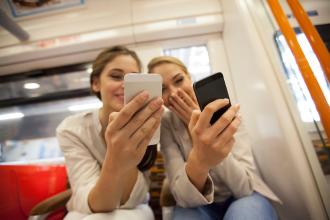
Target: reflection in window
(31, 135)
(295, 80)
(32, 105)
(196, 58)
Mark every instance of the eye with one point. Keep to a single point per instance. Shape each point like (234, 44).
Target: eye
(179, 80)
(116, 76)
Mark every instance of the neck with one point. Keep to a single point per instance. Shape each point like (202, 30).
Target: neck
(104, 118)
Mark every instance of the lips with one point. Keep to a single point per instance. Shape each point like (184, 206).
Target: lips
(120, 97)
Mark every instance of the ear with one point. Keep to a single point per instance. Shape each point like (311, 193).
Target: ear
(96, 85)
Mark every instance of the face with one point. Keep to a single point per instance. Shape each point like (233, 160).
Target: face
(111, 81)
(173, 79)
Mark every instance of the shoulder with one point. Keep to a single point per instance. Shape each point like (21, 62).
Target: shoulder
(75, 122)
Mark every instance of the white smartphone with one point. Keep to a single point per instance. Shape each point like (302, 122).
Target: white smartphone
(135, 83)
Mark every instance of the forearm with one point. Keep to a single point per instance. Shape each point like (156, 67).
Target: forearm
(196, 174)
(112, 189)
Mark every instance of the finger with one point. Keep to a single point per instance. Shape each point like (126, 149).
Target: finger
(181, 115)
(229, 131)
(140, 117)
(130, 109)
(226, 148)
(192, 94)
(179, 103)
(112, 117)
(186, 98)
(209, 110)
(141, 148)
(147, 127)
(225, 120)
(178, 108)
(194, 118)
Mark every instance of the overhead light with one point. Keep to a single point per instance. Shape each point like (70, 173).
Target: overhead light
(90, 70)
(10, 116)
(82, 107)
(31, 85)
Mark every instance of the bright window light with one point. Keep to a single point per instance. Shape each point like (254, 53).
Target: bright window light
(305, 103)
(196, 58)
(10, 116)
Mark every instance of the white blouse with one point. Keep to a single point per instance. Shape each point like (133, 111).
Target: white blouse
(84, 149)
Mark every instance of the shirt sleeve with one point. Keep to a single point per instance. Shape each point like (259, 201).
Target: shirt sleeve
(184, 192)
(84, 171)
(139, 191)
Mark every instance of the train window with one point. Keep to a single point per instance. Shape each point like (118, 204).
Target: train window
(196, 58)
(308, 112)
(302, 96)
(33, 107)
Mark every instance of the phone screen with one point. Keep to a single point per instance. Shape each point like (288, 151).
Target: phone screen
(209, 89)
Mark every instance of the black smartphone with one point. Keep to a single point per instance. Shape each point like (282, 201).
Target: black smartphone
(209, 89)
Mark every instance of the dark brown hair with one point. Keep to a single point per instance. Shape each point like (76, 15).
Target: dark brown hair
(99, 64)
(107, 56)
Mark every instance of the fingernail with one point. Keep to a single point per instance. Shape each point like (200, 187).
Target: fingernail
(226, 100)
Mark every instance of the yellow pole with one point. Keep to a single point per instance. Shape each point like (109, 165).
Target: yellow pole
(309, 78)
(312, 35)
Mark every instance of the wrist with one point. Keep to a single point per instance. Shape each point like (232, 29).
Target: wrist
(113, 166)
(195, 165)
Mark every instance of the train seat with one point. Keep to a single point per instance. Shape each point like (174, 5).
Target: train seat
(23, 186)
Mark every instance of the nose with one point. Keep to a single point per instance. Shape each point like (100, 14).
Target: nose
(172, 90)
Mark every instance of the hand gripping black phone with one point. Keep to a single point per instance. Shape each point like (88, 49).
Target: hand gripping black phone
(209, 89)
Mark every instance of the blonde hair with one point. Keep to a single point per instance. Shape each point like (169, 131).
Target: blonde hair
(166, 59)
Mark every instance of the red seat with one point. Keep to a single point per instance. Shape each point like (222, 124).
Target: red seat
(23, 186)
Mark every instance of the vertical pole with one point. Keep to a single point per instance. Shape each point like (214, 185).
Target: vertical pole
(308, 76)
(312, 35)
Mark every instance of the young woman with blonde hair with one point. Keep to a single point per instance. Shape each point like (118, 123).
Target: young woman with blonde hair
(211, 169)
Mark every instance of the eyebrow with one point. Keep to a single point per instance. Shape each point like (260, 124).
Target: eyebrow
(116, 69)
(176, 76)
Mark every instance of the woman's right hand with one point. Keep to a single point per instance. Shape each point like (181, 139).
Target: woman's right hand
(130, 130)
(212, 143)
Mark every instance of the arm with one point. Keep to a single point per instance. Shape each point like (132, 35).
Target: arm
(127, 136)
(84, 173)
(184, 192)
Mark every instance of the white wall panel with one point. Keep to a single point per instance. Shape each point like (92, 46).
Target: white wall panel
(150, 10)
(95, 15)
(278, 147)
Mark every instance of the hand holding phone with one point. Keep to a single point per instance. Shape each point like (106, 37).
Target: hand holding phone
(209, 89)
(135, 83)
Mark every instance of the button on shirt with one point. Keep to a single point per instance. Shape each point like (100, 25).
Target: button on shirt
(84, 149)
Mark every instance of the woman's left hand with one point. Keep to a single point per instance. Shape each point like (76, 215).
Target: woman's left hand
(183, 104)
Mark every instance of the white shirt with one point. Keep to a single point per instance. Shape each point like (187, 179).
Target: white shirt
(84, 150)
